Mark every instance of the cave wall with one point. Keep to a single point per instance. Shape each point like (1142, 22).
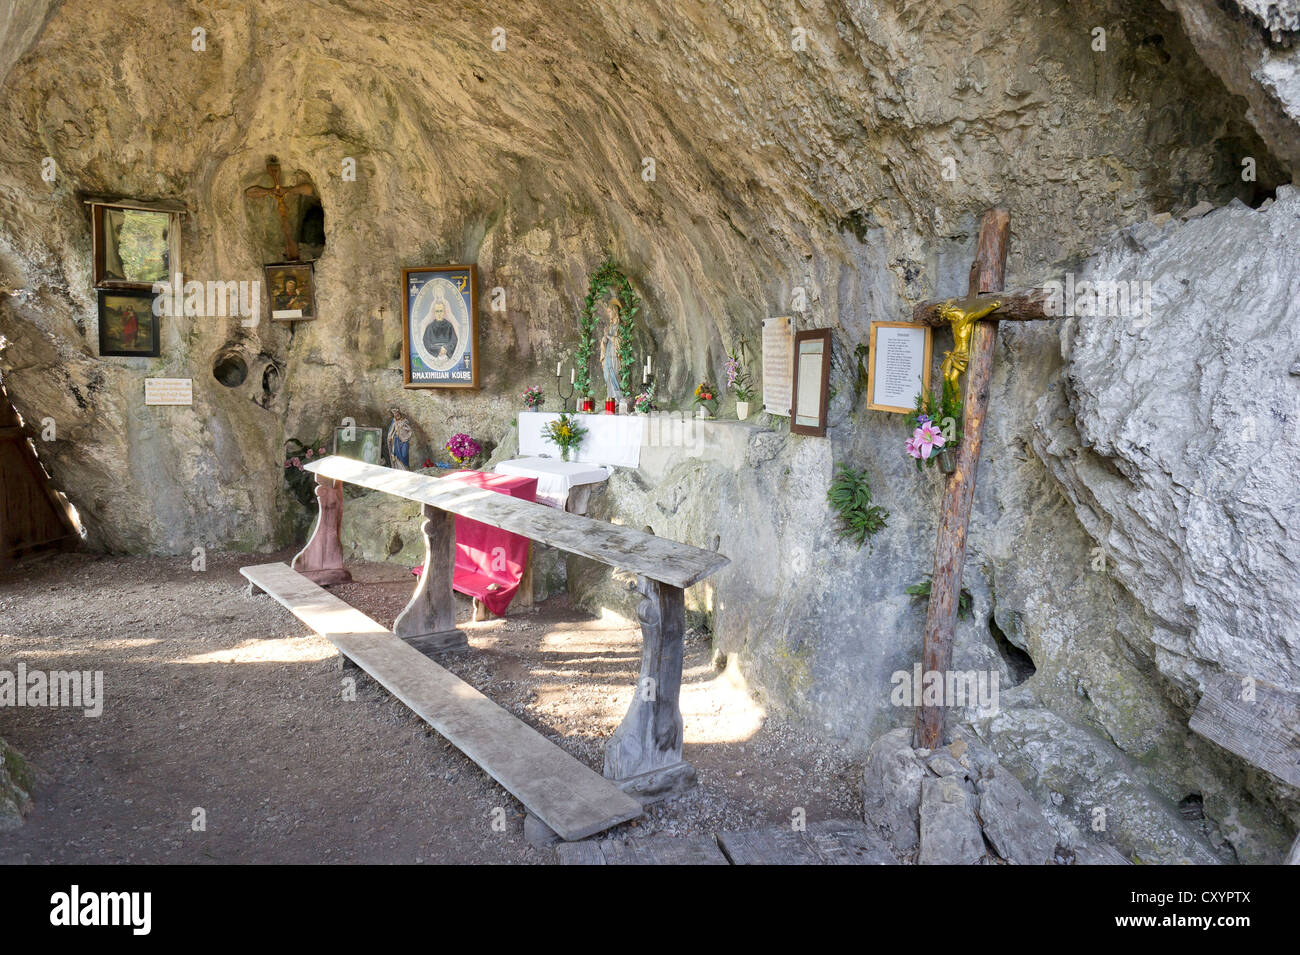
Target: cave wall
(821, 168)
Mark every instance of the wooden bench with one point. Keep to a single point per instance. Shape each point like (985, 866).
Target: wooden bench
(644, 755)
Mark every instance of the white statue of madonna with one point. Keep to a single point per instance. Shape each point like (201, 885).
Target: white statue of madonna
(609, 353)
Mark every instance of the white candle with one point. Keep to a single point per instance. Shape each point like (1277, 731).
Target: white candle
(557, 369)
(645, 377)
(571, 376)
(647, 364)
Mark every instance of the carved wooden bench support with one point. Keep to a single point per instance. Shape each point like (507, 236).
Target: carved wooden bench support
(429, 621)
(644, 756)
(321, 561)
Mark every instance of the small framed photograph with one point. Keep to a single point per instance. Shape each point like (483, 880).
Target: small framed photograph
(360, 444)
(134, 245)
(440, 327)
(128, 328)
(812, 381)
(898, 367)
(291, 290)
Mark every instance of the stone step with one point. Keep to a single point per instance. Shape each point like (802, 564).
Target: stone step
(561, 791)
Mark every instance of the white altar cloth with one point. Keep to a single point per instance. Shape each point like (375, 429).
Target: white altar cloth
(610, 439)
(556, 478)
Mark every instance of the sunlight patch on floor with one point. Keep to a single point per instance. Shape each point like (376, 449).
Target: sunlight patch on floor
(286, 650)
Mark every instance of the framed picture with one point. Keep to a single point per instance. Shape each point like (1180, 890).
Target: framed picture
(128, 328)
(812, 381)
(291, 290)
(898, 368)
(440, 327)
(134, 245)
(363, 444)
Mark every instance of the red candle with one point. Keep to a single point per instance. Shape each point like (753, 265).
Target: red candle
(588, 404)
(610, 407)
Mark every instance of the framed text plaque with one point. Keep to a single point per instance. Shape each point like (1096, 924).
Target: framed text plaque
(899, 365)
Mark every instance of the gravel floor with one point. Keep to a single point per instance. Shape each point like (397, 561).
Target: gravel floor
(219, 702)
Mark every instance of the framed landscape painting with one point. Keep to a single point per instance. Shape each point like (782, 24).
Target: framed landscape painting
(128, 328)
(134, 245)
(440, 327)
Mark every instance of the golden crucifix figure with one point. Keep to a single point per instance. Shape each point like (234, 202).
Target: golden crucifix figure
(962, 314)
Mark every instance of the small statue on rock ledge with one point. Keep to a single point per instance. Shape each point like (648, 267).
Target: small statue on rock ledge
(398, 441)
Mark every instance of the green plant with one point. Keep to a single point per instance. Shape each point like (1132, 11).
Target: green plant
(965, 602)
(850, 497)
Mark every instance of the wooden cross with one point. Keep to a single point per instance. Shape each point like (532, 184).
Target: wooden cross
(279, 192)
(973, 342)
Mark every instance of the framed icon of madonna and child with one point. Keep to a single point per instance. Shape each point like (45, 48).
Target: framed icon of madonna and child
(440, 327)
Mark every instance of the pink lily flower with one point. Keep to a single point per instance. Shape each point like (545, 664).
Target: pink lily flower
(928, 438)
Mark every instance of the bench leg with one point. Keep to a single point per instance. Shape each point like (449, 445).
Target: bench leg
(321, 561)
(429, 621)
(644, 756)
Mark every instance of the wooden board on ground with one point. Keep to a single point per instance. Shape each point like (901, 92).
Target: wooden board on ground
(834, 842)
(565, 794)
(1265, 732)
(670, 562)
(649, 850)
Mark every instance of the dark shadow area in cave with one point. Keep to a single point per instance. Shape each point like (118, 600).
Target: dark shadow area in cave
(1020, 663)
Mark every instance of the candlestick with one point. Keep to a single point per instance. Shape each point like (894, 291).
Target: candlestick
(564, 399)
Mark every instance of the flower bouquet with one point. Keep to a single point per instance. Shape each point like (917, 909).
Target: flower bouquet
(533, 397)
(462, 448)
(742, 383)
(936, 424)
(706, 396)
(565, 433)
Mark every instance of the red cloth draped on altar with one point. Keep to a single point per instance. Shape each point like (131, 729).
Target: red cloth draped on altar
(490, 562)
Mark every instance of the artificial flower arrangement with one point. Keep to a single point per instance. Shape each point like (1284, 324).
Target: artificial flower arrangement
(741, 382)
(644, 403)
(533, 397)
(565, 433)
(706, 396)
(936, 427)
(462, 448)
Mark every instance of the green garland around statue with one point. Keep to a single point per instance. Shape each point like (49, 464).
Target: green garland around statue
(605, 279)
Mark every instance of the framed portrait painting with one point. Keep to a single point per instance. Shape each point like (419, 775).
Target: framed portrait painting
(134, 245)
(128, 328)
(440, 327)
(291, 290)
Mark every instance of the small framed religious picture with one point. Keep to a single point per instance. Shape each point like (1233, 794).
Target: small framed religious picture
(134, 245)
(291, 290)
(128, 328)
(360, 444)
(812, 379)
(898, 368)
(440, 327)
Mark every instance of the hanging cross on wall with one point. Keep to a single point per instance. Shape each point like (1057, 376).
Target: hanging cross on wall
(279, 192)
(974, 324)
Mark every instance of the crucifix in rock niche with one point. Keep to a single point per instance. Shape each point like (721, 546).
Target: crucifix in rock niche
(279, 193)
(974, 331)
